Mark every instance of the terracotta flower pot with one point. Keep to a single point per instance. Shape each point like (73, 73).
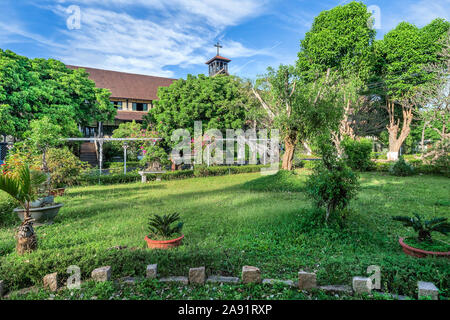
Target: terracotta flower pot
(419, 253)
(164, 244)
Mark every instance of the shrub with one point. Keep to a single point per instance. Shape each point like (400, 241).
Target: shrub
(7, 205)
(424, 228)
(64, 167)
(161, 228)
(358, 153)
(333, 184)
(401, 168)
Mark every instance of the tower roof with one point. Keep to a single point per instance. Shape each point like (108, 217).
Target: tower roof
(217, 58)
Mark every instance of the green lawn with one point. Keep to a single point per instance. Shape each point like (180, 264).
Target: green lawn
(228, 224)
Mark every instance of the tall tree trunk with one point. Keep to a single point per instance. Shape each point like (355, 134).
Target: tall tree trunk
(290, 142)
(395, 139)
(26, 238)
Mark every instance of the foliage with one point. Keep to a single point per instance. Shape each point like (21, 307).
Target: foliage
(332, 184)
(20, 155)
(404, 51)
(217, 101)
(401, 168)
(162, 226)
(34, 88)
(24, 187)
(424, 228)
(299, 110)
(65, 168)
(340, 39)
(357, 153)
(7, 205)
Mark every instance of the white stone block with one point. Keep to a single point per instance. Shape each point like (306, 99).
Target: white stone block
(428, 289)
(101, 274)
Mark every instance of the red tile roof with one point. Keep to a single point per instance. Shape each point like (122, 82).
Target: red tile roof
(217, 58)
(127, 85)
(130, 115)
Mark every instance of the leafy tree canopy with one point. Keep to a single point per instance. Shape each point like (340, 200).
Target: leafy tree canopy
(340, 38)
(219, 102)
(404, 51)
(34, 88)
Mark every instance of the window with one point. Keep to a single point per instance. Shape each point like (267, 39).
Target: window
(117, 104)
(140, 106)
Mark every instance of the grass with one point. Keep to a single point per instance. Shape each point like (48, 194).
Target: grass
(227, 224)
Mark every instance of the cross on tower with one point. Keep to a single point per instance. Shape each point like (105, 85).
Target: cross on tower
(218, 46)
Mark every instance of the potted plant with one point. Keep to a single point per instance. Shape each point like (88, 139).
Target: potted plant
(163, 235)
(23, 188)
(423, 245)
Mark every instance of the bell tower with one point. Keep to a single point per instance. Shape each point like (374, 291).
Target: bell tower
(218, 64)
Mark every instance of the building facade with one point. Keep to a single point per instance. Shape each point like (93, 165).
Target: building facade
(132, 94)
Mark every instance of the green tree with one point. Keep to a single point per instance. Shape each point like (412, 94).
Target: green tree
(298, 109)
(219, 102)
(31, 89)
(44, 134)
(339, 39)
(401, 56)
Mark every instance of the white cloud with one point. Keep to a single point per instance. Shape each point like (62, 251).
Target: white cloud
(145, 36)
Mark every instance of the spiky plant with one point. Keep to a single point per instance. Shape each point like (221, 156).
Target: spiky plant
(162, 225)
(23, 188)
(424, 228)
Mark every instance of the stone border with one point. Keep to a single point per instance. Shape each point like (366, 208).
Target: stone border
(250, 274)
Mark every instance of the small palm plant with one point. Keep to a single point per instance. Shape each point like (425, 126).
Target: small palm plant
(24, 189)
(424, 228)
(162, 226)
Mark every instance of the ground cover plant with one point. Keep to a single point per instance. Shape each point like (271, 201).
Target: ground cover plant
(228, 225)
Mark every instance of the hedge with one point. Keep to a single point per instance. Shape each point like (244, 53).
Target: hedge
(199, 171)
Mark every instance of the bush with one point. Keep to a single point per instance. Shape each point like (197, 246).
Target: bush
(333, 184)
(401, 168)
(358, 153)
(109, 179)
(64, 167)
(7, 205)
(199, 171)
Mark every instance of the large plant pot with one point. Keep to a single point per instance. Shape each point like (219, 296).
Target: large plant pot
(41, 216)
(166, 244)
(419, 253)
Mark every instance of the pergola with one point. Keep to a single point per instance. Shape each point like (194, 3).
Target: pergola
(124, 146)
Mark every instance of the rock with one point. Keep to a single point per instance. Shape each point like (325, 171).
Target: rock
(362, 285)
(306, 280)
(152, 271)
(197, 275)
(251, 274)
(128, 280)
(101, 274)
(275, 281)
(182, 280)
(23, 291)
(2, 288)
(51, 282)
(221, 279)
(428, 289)
(339, 289)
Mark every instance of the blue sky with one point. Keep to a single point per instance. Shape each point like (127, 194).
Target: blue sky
(173, 38)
